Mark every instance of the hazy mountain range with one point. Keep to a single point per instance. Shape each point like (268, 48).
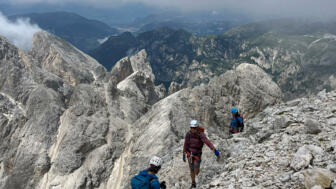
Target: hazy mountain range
(81, 32)
(112, 16)
(86, 34)
(287, 49)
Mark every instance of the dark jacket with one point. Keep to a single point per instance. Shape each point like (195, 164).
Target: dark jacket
(234, 124)
(193, 142)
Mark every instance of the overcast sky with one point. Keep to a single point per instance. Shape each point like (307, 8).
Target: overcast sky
(319, 8)
(19, 33)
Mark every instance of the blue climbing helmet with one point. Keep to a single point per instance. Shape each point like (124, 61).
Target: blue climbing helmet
(234, 110)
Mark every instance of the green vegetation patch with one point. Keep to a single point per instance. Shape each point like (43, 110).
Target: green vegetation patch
(334, 111)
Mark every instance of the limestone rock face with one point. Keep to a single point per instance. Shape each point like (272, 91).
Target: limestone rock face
(14, 79)
(140, 63)
(249, 87)
(63, 121)
(135, 86)
(129, 65)
(32, 112)
(138, 93)
(121, 70)
(64, 60)
(212, 103)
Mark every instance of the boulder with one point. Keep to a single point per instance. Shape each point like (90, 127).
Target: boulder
(301, 159)
(318, 177)
(312, 127)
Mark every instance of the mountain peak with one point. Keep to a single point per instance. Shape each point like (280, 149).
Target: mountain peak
(64, 60)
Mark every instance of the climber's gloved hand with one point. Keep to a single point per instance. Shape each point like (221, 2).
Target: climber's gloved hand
(163, 185)
(216, 153)
(183, 158)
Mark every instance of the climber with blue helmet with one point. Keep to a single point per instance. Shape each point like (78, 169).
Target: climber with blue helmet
(193, 145)
(237, 122)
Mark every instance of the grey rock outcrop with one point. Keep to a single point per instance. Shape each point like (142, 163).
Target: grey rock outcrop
(174, 87)
(63, 121)
(137, 94)
(140, 63)
(14, 79)
(62, 59)
(133, 83)
(121, 70)
(35, 125)
(272, 158)
(128, 65)
(250, 87)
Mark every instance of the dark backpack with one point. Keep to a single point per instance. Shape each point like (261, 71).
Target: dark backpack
(141, 182)
(240, 125)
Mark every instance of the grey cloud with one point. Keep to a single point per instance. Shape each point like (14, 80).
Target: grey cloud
(316, 8)
(20, 32)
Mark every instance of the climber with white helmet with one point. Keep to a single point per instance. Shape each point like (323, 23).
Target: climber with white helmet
(147, 178)
(193, 145)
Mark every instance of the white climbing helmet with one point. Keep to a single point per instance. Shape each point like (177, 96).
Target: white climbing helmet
(193, 123)
(156, 161)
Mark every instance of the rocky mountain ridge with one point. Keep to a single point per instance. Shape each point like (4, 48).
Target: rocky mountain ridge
(290, 145)
(68, 123)
(299, 59)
